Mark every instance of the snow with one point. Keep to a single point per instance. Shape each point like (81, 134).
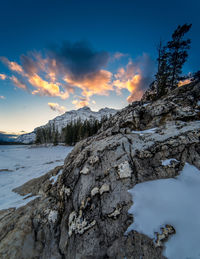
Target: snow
(198, 103)
(54, 178)
(26, 138)
(25, 163)
(173, 201)
(148, 131)
(168, 161)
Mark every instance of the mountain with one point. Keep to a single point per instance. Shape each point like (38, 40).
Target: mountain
(60, 122)
(92, 210)
(6, 137)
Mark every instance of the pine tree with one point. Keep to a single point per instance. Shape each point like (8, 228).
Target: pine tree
(171, 59)
(38, 139)
(163, 70)
(178, 52)
(55, 141)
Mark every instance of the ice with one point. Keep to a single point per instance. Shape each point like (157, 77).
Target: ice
(25, 163)
(173, 201)
(168, 161)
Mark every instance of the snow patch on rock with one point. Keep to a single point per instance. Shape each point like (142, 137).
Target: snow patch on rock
(141, 132)
(170, 201)
(168, 161)
(54, 178)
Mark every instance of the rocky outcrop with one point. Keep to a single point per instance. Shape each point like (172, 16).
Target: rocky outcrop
(84, 214)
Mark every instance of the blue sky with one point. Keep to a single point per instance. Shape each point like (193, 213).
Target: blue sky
(116, 42)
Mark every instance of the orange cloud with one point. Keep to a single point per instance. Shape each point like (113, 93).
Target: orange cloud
(46, 88)
(3, 76)
(135, 78)
(184, 82)
(59, 74)
(57, 107)
(81, 102)
(95, 83)
(17, 83)
(12, 65)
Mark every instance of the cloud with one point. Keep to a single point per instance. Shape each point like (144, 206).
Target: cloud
(3, 76)
(135, 78)
(17, 82)
(95, 83)
(2, 97)
(60, 71)
(56, 107)
(184, 82)
(78, 59)
(81, 102)
(12, 65)
(119, 55)
(44, 88)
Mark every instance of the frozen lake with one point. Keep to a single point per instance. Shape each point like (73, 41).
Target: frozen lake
(19, 164)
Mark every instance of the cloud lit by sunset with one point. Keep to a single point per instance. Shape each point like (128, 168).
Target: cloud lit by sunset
(2, 76)
(56, 107)
(135, 77)
(17, 82)
(184, 82)
(61, 72)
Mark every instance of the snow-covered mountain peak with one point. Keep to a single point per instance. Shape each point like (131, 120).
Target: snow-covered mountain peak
(59, 122)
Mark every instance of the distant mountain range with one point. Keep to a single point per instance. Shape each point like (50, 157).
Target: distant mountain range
(60, 122)
(7, 138)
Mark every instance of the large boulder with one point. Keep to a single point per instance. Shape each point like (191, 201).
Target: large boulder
(85, 213)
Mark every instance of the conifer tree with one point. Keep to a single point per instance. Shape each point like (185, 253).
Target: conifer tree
(171, 59)
(178, 52)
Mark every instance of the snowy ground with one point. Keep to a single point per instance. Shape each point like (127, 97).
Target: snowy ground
(174, 202)
(19, 164)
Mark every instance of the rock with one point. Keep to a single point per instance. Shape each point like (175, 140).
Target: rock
(104, 188)
(85, 214)
(166, 232)
(115, 213)
(94, 191)
(85, 170)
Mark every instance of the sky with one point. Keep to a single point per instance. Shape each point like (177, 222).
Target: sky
(59, 55)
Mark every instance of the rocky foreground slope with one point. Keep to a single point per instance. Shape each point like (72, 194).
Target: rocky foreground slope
(84, 214)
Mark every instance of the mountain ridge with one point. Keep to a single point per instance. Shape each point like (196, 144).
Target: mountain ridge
(61, 121)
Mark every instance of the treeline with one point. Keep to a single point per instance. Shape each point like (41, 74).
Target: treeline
(76, 131)
(71, 134)
(47, 135)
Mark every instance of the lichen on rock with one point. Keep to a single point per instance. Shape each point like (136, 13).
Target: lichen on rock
(78, 224)
(164, 235)
(124, 170)
(85, 170)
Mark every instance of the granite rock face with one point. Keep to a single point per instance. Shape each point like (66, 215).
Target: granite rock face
(85, 213)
